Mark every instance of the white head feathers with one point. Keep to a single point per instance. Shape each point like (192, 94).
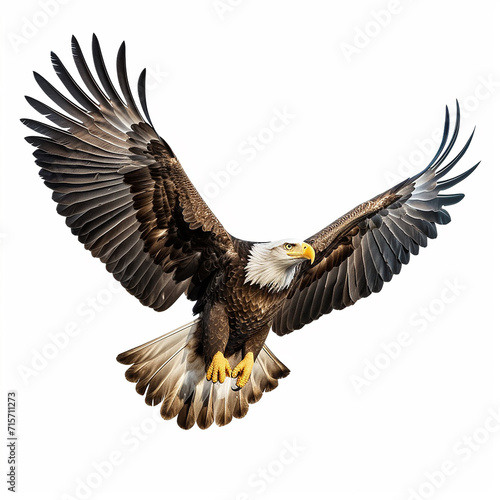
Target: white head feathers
(270, 266)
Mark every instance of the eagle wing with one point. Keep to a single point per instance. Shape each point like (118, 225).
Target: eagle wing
(363, 249)
(121, 188)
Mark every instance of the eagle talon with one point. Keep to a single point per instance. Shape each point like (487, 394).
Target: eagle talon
(243, 371)
(219, 368)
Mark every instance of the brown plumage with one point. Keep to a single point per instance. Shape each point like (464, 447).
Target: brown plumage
(126, 197)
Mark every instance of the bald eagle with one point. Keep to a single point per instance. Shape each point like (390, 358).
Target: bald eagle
(126, 197)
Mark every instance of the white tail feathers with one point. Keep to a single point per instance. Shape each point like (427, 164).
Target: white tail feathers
(171, 370)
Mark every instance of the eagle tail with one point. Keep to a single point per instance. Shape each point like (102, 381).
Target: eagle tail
(171, 370)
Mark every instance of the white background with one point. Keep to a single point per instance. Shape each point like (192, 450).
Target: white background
(359, 120)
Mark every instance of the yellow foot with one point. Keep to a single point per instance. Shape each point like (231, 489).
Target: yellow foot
(243, 370)
(219, 368)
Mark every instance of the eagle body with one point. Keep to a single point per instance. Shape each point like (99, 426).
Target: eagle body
(235, 313)
(125, 195)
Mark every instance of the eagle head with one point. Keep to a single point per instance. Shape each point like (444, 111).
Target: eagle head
(273, 264)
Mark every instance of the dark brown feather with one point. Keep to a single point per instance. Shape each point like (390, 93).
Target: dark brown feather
(121, 188)
(364, 248)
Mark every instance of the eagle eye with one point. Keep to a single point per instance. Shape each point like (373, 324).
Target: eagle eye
(287, 246)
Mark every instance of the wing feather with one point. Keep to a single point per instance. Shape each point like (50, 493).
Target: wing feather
(120, 186)
(363, 249)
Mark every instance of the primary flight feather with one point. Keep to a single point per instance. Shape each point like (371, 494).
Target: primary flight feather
(125, 195)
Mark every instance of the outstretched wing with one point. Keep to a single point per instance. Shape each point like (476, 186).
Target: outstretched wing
(363, 249)
(120, 186)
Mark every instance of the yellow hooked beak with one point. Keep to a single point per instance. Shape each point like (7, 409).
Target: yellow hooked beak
(303, 251)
